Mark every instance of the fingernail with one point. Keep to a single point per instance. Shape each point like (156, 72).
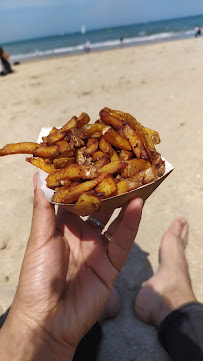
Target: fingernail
(35, 180)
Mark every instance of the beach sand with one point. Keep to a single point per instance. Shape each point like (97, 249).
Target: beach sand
(161, 85)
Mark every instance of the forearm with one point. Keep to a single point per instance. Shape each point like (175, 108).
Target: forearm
(22, 342)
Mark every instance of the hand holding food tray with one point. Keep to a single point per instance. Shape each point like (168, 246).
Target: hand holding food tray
(91, 167)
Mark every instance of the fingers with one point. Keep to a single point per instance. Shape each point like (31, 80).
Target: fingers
(124, 235)
(43, 221)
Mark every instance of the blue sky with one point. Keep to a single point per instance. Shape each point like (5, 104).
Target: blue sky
(24, 19)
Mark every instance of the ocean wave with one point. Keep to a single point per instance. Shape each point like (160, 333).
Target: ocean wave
(142, 38)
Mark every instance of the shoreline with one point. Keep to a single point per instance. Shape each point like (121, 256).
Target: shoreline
(58, 54)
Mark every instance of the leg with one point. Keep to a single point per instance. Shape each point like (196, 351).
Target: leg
(89, 345)
(167, 300)
(6, 66)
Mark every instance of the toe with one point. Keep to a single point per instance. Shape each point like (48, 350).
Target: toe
(177, 227)
(179, 230)
(142, 305)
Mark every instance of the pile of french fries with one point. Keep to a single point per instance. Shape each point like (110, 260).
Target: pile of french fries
(90, 162)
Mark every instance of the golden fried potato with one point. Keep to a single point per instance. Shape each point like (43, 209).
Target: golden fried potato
(63, 162)
(79, 132)
(59, 134)
(110, 119)
(60, 192)
(114, 157)
(153, 135)
(145, 138)
(73, 194)
(112, 167)
(134, 140)
(92, 146)
(134, 166)
(134, 124)
(19, 148)
(148, 175)
(122, 186)
(48, 160)
(55, 136)
(115, 139)
(81, 156)
(99, 121)
(97, 155)
(87, 204)
(71, 172)
(76, 141)
(125, 155)
(65, 148)
(46, 151)
(108, 186)
(93, 128)
(40, 163)
(97, 135)
(101, 162)
(117, 114)
(82, 120)
(136, 181)
(158, 166)
(107, 148)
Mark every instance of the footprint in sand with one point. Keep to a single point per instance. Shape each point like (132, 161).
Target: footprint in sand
(3, 244)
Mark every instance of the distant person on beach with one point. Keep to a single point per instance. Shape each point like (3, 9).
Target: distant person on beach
(121, 41)
(65, 288)
(87, 47)
(198, 31)
(5, 65)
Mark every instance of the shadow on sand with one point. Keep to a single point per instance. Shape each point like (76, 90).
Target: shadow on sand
(125, 338)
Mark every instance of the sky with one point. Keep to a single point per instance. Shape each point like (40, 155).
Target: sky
(25, 19)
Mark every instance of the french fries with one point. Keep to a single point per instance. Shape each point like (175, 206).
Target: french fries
(71, 172)
(87, 204)
(72, 194)
(87, 163)
(116, 139)
(107, 186)
(19, 148)
(134, 166)
(41, 164)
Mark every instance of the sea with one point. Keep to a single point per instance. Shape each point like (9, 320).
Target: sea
(103, 39)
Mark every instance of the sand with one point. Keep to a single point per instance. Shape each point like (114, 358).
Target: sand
(161, 84)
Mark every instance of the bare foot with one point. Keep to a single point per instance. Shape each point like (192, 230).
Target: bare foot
(112, 307)
(170, 287)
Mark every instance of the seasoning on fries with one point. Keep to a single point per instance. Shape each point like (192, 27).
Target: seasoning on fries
(86, 163)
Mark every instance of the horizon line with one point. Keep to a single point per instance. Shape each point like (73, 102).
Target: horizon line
(94, 29)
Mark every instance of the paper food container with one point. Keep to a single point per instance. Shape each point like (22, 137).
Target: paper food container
(110, 203)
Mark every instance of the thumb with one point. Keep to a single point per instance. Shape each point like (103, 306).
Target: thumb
(43, 220)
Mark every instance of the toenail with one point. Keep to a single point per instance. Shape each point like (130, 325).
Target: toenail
(183, 221)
